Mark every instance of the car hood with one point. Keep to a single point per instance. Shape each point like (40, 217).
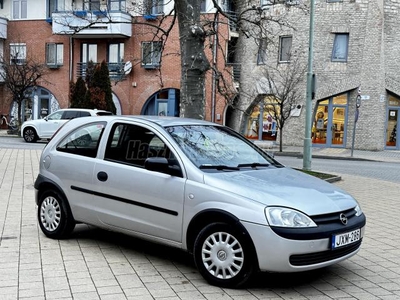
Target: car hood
(284, 187)
(35, 122)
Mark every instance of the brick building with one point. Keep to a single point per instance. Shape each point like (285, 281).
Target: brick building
(53, 32)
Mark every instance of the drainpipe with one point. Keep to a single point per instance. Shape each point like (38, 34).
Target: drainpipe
(214, 76)
(71, 47)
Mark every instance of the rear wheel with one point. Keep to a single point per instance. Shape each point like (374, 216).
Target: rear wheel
(30, 135)
(54, 216)
(224, 255)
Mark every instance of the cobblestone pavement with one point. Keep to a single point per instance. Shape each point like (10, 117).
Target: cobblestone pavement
(94, 264)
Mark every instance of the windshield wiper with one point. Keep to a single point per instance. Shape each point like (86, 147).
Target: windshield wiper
(219, 167)
(253, 165)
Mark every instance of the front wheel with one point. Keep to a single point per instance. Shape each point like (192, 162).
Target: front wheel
(30, 135)
(224, 256)
(54, 216)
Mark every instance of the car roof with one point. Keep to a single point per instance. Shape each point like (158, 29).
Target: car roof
(82, 109)
(162, 121)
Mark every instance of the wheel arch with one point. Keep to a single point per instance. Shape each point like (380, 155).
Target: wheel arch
(209, 216)
(43, 184)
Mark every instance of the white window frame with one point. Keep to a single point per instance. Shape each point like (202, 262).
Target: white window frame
(285, 48)
(154, 57)
(54, 55)
(340, 48)
(19, 9)
(17, 53)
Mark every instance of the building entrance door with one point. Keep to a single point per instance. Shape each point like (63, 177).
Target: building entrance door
(330, 119)
(392, 128)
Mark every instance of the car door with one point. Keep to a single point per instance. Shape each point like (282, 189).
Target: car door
(73, 161)
(130, 197)
(50, 124)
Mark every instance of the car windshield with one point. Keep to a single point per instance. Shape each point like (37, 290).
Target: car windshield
(218, 147)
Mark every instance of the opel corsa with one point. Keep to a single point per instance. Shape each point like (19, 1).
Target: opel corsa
(197, 186)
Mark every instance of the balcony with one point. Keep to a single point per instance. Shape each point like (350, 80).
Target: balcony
(116, 70)
(93, 24)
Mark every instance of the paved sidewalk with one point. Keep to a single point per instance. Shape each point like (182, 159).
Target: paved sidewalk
(95, 264)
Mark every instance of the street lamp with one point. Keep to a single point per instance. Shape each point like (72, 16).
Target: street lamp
(307, 137)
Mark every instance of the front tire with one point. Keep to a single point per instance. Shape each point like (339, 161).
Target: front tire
(30, 135)
(224, 256)
(54, 216)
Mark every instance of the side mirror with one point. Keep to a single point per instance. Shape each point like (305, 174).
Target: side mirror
(161, 164)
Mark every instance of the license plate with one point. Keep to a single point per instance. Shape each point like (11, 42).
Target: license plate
(343, 239)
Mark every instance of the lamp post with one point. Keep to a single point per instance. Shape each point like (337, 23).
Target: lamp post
(307, 137)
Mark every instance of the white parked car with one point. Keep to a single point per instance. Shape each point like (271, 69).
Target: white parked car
(198, 186)
(34, 130)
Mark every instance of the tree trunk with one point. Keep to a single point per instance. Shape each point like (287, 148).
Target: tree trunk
(194, 63)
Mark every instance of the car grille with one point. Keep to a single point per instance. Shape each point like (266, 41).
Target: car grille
(320, 257)
(333, 218)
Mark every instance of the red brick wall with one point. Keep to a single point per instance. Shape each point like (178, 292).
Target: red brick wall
(37, 33)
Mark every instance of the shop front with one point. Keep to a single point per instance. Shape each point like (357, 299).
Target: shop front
(269, 110)
(330, 122)
(392, 125)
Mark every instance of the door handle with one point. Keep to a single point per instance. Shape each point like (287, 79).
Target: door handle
(102, 176)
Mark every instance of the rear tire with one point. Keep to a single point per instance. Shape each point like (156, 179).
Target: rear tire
(30, 135)
(54, 215)
(224, 255)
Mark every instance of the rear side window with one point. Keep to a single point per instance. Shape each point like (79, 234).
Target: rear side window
(83, 114)
(69, 114)
(84, 140)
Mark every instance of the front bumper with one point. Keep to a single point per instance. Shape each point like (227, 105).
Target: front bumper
(279, 254)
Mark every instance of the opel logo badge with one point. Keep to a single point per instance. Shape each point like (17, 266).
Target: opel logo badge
(343, 218)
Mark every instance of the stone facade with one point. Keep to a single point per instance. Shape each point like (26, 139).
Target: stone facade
(372, 64)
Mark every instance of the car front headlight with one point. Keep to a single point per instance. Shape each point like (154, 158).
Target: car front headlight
(287, 217)
(358, 210)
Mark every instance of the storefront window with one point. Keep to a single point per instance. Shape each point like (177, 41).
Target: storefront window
(270, 112)
(392, 121)
(329, 125)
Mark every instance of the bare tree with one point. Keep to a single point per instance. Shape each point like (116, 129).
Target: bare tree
(284, 84)
(20, 77)
(195, 32)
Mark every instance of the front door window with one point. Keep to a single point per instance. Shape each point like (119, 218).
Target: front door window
(329, 126)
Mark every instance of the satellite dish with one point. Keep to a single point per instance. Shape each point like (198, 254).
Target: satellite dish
(127, 67)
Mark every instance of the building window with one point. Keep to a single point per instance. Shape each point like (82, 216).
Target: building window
(151, 54)
(92, 5)
(19, 9)
(340, 47)
(153, 7)
(285, 47)
(262, 52)
(54, 55)
(203, 6)
(115, 58)
(118, 5)
(266, 3)
(17, 54)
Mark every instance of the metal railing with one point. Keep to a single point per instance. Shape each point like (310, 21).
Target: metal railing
(115, 70)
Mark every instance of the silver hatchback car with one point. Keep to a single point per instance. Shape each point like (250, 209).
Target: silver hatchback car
(198, 186)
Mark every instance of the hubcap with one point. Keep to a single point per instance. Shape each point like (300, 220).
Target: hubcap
(50, 213)
(222, 255)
